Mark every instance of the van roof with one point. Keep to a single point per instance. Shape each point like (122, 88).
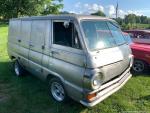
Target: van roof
(63, 16)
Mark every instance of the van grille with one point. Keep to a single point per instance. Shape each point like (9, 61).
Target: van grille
(114, 70)
(116, 76)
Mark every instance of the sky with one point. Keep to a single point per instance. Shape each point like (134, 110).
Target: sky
(138, 7)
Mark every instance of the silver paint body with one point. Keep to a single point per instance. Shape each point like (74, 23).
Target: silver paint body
(28, 36)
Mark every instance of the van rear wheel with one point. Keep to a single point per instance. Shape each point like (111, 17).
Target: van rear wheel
(57, 90)
(19, 71)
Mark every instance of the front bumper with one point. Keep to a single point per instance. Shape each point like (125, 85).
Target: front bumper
(108, 89)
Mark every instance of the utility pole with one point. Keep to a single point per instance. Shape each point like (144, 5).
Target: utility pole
(117, 6)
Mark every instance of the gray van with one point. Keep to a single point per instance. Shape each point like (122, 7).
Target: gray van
(82, 57)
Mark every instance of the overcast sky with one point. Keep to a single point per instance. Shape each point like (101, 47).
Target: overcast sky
(138, 7)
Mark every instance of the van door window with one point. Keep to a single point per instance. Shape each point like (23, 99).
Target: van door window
(65, 35)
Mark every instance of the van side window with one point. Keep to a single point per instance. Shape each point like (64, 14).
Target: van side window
(65, 36)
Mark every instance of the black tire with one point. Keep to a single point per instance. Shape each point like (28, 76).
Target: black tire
(59, 96)
(139, 66)
(19, 71)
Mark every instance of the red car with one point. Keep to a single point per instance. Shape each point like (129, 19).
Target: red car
(141, 54)
(140, 36)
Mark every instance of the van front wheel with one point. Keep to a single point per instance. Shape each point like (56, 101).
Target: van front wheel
(19, 71)
(57, 91)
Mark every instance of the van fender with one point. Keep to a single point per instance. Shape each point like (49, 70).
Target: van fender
(51, 74)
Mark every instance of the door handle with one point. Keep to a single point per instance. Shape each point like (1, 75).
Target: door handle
(31, 45)
(43, 47)
(55, 52)
(19, 40)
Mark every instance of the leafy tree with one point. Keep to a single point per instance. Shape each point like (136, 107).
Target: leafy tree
(52, 8)
(144, 19)
(99, 13)
(120, 20)
(148, 20)
(131, 18)
(17, 8)
(133, 21)
(64, 12)
(138, 19)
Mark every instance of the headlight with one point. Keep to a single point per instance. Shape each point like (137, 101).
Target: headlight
(97, 81)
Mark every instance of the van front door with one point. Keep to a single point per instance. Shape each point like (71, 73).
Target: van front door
(68, 58)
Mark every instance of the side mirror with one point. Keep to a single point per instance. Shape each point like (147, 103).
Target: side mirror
(66, 24)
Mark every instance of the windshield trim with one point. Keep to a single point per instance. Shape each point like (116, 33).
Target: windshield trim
(97, 49)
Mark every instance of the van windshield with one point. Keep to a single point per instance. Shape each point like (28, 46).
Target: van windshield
(102, 34)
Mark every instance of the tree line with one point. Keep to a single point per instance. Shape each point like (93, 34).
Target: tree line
(132, 21)
(18, 8)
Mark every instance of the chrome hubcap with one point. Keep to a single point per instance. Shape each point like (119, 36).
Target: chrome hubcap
(57, 91)
(138, 66)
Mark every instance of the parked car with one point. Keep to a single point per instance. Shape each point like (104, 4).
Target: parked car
(82, 57)
(141, 54)
(140, 36)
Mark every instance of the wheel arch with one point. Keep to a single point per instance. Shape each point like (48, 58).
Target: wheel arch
(141, 60)
(50, 76)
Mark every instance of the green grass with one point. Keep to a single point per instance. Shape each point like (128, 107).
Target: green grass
(29, 95)
(140, 26)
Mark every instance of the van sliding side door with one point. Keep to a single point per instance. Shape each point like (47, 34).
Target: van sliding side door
(37, 44)
(24, 42)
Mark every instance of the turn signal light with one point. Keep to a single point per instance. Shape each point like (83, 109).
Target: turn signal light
(91, 96)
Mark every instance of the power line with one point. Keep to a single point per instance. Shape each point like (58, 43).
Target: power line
(117, 7)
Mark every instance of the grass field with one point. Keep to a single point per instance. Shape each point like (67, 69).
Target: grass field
(29, 95)
(140, 26)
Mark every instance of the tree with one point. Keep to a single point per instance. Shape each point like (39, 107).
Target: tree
(138, 19)
(119, 20)
(144, 19)
(99, 13)
(17, 8)
(148, 21)
(64, 12)
(52, 8)
(130, 19)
